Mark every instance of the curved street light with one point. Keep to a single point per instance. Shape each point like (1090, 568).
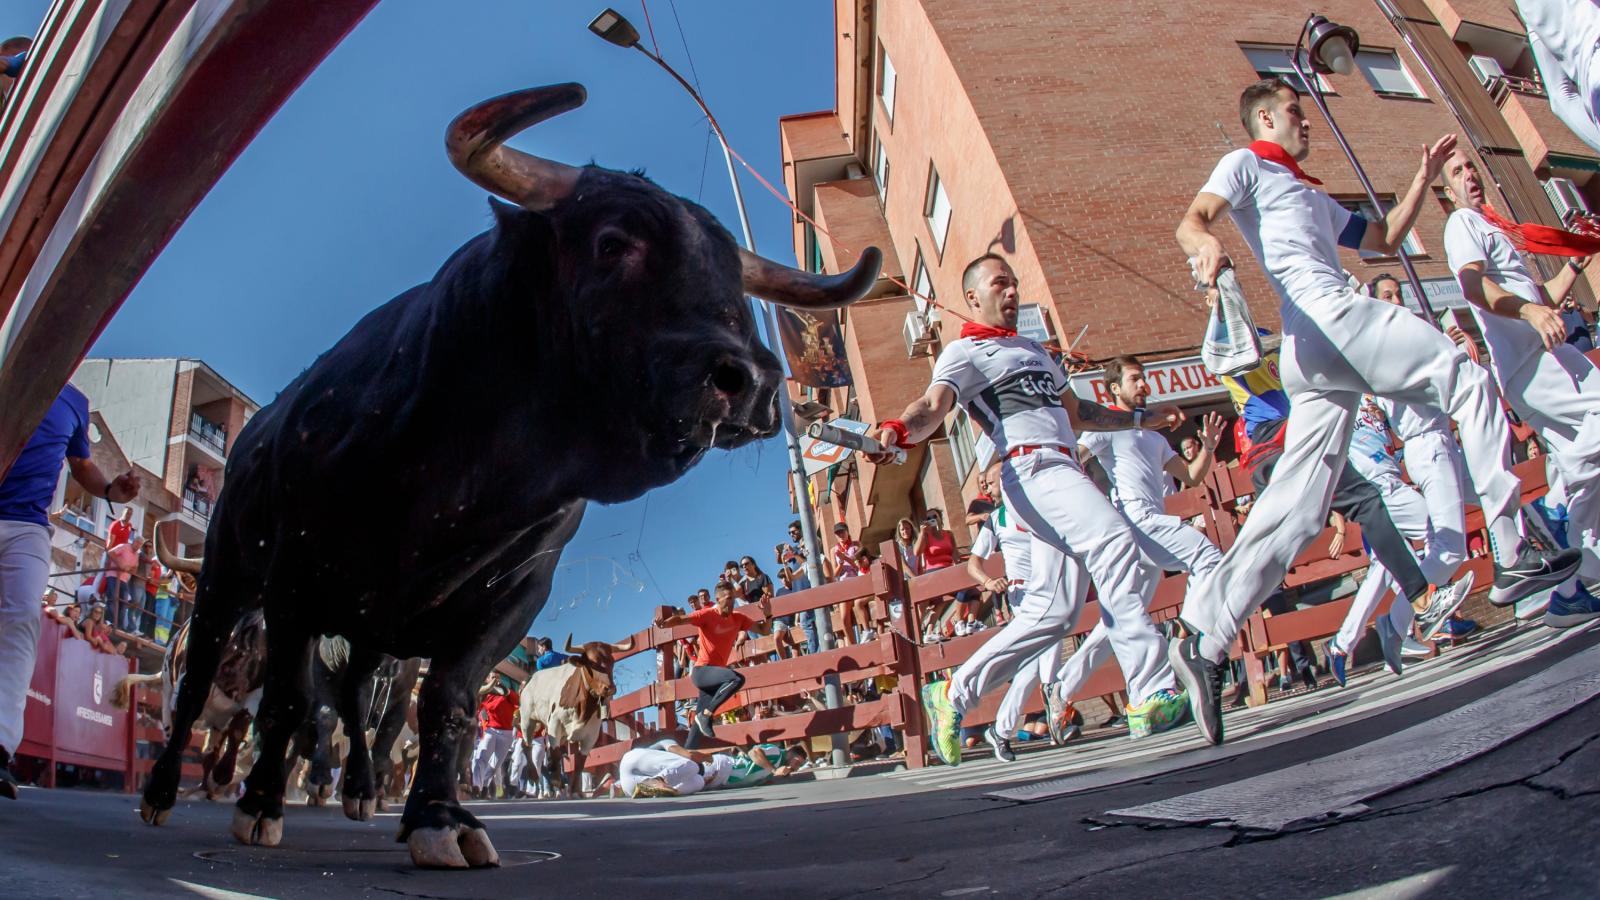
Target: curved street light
(1331, 48)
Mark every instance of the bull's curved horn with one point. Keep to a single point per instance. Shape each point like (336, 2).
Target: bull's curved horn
(475, 143)
(803, 290)
(175, 563)
(575, 651)
(624, 647)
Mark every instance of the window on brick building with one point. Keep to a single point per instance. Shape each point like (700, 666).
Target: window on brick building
(922, 283)
(936, 208)
(880, 170)
(1363, 207)
(1386, 74)
(886, 83)
(963, 448)
(1273, 59)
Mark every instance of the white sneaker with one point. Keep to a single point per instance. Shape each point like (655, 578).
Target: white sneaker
(1410, 646)
(1533, 607)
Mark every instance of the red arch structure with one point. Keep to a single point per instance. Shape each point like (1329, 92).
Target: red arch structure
(125, 116)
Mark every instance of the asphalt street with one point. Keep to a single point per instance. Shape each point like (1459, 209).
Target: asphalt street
(1516, 821)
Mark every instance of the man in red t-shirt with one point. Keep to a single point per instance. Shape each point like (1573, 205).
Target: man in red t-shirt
(721, 630)
(497, 714)
(121, 530)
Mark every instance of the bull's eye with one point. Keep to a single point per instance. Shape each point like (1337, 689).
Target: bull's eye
(611, 245)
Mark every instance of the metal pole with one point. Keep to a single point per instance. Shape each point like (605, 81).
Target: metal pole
(832, 696)
(1315, 90)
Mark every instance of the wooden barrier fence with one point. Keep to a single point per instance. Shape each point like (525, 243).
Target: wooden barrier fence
(900, 654)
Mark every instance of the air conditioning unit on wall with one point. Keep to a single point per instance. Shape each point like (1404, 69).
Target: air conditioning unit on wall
(919, 336)
(1564, 196)
(1487, 68)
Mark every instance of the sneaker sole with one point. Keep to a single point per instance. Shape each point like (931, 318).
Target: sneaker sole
(1527, 587)
(1569, 620)
(1208, 720)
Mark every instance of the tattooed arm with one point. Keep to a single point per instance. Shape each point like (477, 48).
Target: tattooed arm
(1086, 415)
(921, 419)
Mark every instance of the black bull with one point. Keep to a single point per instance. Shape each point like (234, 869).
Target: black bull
(593, 344)
(378, 702)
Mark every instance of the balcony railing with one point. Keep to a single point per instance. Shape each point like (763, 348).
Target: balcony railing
(211, 435)
(1501, 86)
(199, 504)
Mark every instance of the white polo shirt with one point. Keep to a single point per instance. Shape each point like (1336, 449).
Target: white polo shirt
(1136, 462)
(1011, 389)
(1469, 238)
(1293, 229)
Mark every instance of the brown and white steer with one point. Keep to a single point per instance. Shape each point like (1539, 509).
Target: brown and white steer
(568, 701)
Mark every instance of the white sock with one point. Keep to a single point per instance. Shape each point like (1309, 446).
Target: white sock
(1504, 539)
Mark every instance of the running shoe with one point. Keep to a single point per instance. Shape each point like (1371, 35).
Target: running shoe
(1410, 646)
(653, 787)
(8, 781)
(1001, 746)
(944, 723)
(1389, 644)
(1530, 608)
(1456, 629)
(1065, 721)
(1202, 681)
(1534, 571)
(1443, 602)
(1337, 660)
(1308, 677)
(1565, 612)
(702, 724)
(1159, 712)
(1555, 520)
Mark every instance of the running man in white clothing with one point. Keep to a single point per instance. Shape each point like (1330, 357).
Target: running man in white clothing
(1338, 345)
(1564, 36)
(1020, 397)
(1548, 382)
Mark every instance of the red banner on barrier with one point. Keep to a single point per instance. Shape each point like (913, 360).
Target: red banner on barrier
(39, 717)
(69, 717)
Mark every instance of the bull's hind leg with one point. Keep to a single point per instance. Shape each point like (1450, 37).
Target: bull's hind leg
(358, 787)
(258, 816)
(207, 634)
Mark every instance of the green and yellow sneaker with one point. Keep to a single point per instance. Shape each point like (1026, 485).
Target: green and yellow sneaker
(944, 723)
(1160, 711)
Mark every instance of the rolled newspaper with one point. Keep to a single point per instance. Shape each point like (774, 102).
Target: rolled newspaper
(822, 431)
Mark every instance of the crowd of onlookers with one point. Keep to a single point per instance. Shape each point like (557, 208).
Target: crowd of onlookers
(129, 591)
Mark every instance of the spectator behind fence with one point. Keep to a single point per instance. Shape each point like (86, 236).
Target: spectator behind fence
(66, 618)
(149, 573)
(720, 629)
(793, 552)
(936, 549)
(905, 544)
(97, 631)
(848, 559)
(121, 530)
(25, 495)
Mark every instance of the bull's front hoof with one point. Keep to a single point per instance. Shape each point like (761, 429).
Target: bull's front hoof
(359, 810)
(257, 830)
(151, 815)
(318, 794)
(454, 847)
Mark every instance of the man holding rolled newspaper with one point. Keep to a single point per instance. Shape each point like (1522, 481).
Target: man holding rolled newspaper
(1338, 345)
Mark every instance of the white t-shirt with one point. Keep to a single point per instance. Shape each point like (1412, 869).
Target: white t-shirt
(1011, 388)
(1469, 238)
(1369, 444)
(1135, 461)
(1002, 532)
(1303, 224)
(1409, 420)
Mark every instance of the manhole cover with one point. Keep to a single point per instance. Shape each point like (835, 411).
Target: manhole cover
(347, 858)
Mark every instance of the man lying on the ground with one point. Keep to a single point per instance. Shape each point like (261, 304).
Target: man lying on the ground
(668, 769)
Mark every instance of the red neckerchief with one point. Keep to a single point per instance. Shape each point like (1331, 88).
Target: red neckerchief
(980, 331)
(1531, 238)
(1271, 152)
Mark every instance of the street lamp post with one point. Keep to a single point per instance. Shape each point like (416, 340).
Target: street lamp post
(1333, 49)
(612, 27)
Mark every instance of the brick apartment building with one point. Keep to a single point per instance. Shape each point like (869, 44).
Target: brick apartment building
(1070, 138)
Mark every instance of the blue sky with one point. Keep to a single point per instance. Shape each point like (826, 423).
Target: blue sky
(346, 199)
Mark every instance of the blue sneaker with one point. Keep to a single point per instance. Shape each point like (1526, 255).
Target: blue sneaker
(1555, 520)
(1565, 612)
(1389, 643)
(1456, 629)
(1336, 661)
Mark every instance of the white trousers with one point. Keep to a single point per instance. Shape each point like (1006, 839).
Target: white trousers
(24, 570)
(1173, 547)
(642, 763)
(493, 744)
(528, 756)
(1335, 349)
(1558, 394)
(1573, 85)
(1040, 669)
(1076, 532)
